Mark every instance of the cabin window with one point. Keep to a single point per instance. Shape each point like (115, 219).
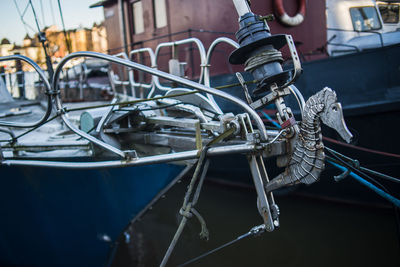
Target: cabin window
(389, 13)
(160, 13)
(365, 18)
(137, 13)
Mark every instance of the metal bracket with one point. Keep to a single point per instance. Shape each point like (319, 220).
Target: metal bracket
(269, 98)
(263, 204)
(131, 154)
(266, 202)
(296, 61)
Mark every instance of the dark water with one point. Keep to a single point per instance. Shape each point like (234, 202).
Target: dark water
(312, 233)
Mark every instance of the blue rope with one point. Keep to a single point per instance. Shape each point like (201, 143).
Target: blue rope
(380, 192)
(270, 119)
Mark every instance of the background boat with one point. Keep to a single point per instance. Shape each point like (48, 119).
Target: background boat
(350, 46)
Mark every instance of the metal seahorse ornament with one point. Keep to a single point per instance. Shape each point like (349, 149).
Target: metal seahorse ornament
(305, 162)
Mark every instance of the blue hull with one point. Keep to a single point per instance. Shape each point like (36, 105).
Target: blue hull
(57, 216)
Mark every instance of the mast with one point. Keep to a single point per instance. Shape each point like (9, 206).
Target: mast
(242, 7)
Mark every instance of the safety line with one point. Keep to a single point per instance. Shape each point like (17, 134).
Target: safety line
(362, 148)
(380, 192)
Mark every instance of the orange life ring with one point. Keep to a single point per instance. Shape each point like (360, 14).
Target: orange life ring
(285, 18)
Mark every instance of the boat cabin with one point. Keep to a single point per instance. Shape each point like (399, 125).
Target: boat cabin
(135, 24)
(356, 25)
(390, 13)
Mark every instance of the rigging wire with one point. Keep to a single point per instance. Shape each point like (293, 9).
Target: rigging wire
(42, 39)
(362, 148)
(25, 9)
(257, 230)
(356, 164)
(355, 169)
(386, 194)
(52, 12)
(154, 108)
(346, 168)
(395, 202)
(21, 16)
(67, 40)
(383, 191)
(41, 7)
(130, 102)
(381, 175)
(30, 130)
(34, 15)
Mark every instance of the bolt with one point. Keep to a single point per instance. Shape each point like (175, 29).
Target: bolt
(268, 17)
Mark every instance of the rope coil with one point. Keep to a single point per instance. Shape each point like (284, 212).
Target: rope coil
(262, 58)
